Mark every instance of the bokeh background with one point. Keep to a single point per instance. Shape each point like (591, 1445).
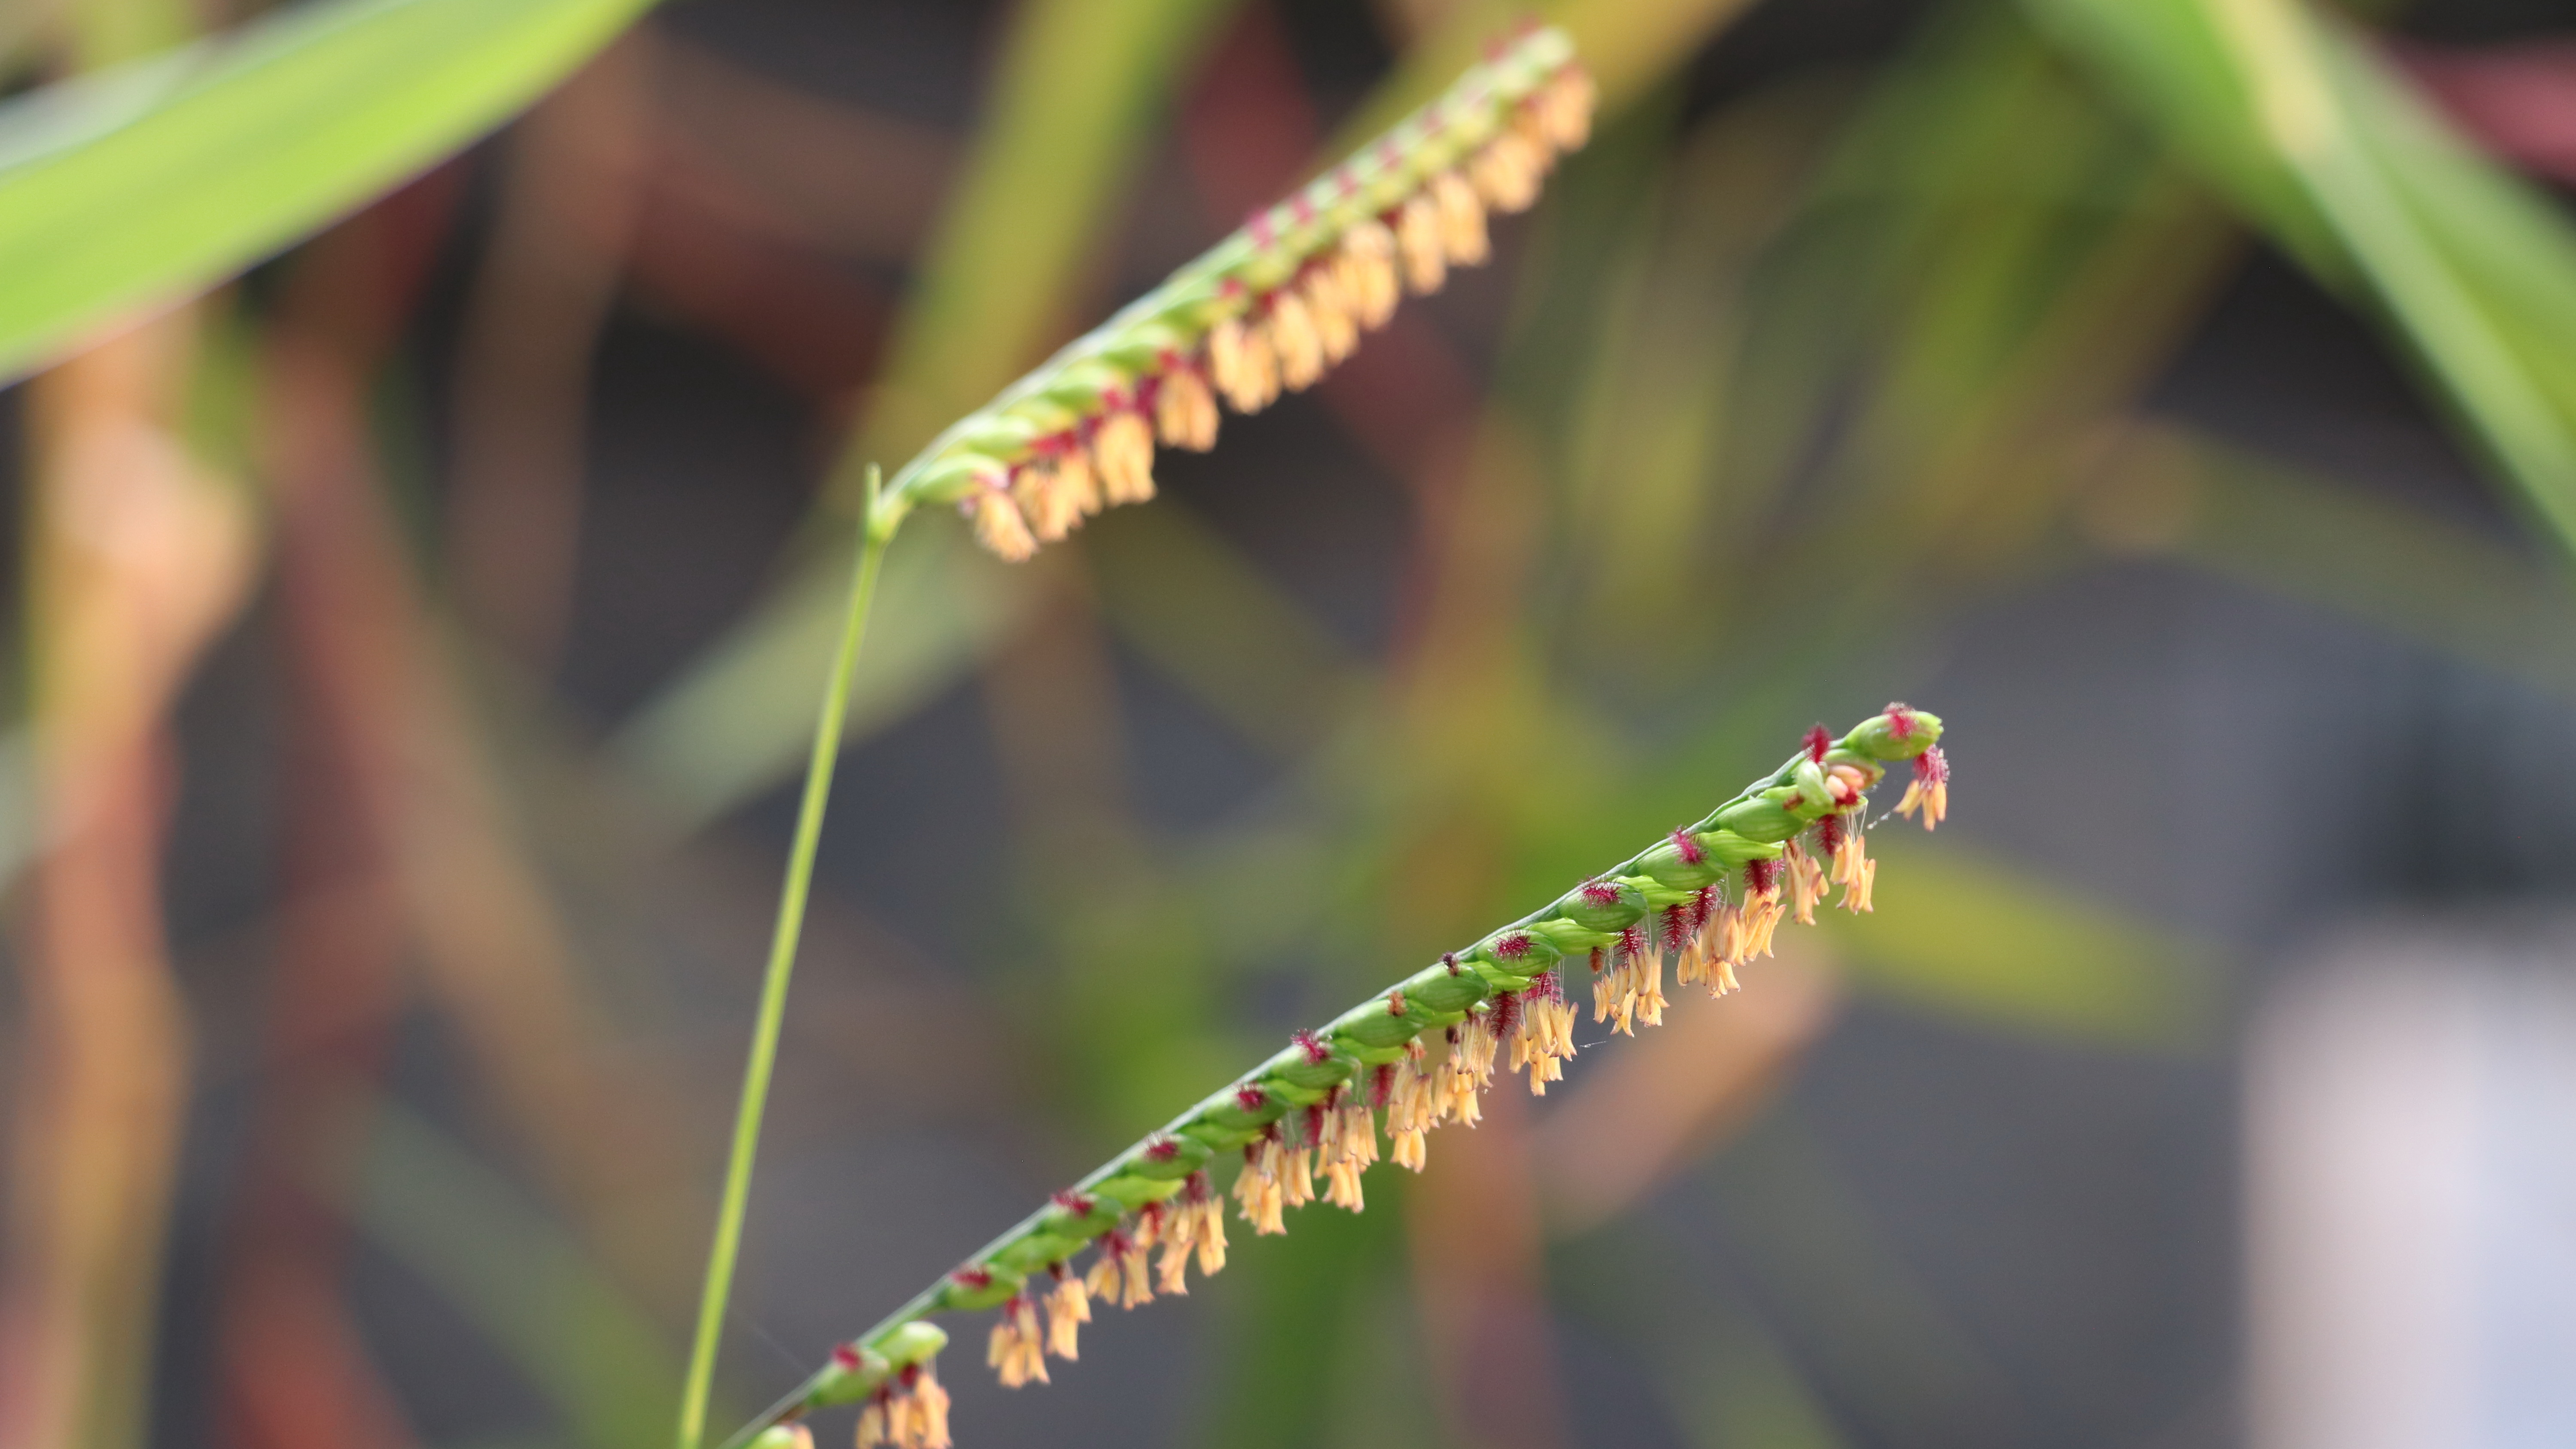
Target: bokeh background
(412, 645)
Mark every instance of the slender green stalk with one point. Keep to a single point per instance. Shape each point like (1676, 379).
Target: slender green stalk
(875, 532)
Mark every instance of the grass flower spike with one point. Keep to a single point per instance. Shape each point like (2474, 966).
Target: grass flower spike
(1705, 899)
(1270, 309)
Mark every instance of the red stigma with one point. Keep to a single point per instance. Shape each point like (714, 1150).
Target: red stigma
(846, 1356)
(1703, 906)
(1198, 1188)
(1314, 1048)
(1545, 987)
(1676, 927)
(1761, 876)
(1251, 1099)
(1817, 743)
(1507, 1014)
(1381, 1085)
(973, 1276)
(910, 1376)
(1632, 942)
(1231, 287)
(1690, 850)
(1513, 947)
(1600, 893)
(1900, 720)
(1162, 1149)
(1313, 1136)
(1829, 833)
(1932, 766)
(1075, 1203)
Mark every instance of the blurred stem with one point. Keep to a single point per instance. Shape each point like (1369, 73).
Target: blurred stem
(570, 198)
(136, 556)
(875, 533)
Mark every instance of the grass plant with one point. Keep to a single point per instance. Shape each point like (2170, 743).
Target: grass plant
(1706, 899)
(1885, 331)
(1270, 308)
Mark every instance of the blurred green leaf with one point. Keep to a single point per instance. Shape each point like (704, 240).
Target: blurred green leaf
(1732, 1384)
(1993, 265)
(519, 1279)
(1980, 941)
(142, 184)
(1721, 1376)
(1817, 1256)
(2270, 526)
(2314, 135)
(1186, 598)
(723, 737)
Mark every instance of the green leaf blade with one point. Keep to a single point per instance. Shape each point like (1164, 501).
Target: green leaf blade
(152, 182)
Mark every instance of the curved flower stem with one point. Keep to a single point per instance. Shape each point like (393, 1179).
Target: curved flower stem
(876, 531)
(1410, 204)
(1819, 794)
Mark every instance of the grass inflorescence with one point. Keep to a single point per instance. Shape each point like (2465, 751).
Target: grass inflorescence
(1704, 900)
(1269, 309)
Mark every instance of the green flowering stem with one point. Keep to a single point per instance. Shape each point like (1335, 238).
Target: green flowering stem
(877, 531)
(1761, 836)
(1276, 302)
(1271, 306)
